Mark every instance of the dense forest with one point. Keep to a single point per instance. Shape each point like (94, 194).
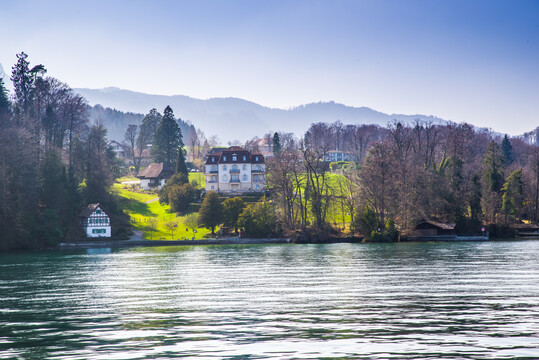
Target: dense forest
(53, 160)
(401, 174)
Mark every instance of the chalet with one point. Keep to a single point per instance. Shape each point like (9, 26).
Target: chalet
(95, 221)
(235, 170)
(121, 150)
(427, 228)
(154, 176)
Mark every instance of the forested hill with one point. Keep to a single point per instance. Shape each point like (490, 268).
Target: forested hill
(238, 119)
(117, 121)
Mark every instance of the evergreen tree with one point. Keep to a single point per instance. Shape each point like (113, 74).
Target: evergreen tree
(5, 104)
(513, 194)
(493, 166)
(167, 140)
(181, 167)
(210, 214)
(276, 144)
(507, 151)
(475, 199)
(22, 82)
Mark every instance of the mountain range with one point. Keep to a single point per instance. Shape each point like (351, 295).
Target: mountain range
(237, 119)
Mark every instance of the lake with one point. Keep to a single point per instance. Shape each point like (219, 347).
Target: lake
(466, 300)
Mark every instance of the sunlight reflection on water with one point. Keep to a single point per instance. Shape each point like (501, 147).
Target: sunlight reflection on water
(395, 301)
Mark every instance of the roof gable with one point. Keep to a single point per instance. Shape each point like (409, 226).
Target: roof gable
(154, 171)
(91, 208)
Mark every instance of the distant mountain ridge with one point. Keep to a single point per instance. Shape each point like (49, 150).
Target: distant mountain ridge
(237, 119)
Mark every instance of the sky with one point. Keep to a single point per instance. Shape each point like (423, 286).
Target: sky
(466, 61)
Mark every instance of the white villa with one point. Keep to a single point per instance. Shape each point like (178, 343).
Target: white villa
(95, 221)
(235, 170)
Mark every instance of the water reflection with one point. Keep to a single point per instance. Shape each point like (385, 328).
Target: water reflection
(402, 301)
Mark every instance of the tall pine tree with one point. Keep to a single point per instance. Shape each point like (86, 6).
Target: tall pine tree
(167, 140)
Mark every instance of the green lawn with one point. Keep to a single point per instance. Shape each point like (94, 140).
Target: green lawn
(126, 178)
(143, 214)
(199, 176)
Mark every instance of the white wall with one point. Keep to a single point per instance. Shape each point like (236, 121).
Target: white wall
(91, 235)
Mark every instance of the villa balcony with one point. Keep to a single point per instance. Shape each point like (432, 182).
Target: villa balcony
(234, 171)
(235, 180)
(213, 171)
(257, 171)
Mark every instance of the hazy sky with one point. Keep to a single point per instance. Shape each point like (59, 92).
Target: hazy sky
(473, 61)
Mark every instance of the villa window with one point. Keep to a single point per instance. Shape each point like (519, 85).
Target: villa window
(213, 168)
(212, 159)
(244, 167)
(224, 158)
(213, 178)
(244, 158)
(234, 158)
(225, 178)
(244, 177)
(256, 158)
(224, 168)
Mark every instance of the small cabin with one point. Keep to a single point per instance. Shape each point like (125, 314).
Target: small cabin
(154, 176)
(525, 229)
(426, 228)
(95, 221)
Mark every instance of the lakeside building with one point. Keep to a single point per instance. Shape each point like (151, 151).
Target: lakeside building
(235, 170)
(336, 155)
(154, 176)
(95, 221)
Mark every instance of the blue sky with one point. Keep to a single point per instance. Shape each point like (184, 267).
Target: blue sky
(473, 61)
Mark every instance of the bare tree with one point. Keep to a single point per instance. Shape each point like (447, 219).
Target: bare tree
(131, 138)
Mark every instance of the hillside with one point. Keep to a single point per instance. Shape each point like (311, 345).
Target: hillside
(238, 119)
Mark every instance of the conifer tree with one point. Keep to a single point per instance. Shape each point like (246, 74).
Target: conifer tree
(167, 140)
(507, 151)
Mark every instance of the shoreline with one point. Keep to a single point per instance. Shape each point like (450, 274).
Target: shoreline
(149, 243)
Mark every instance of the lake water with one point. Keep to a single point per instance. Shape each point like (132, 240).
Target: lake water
(469, 300)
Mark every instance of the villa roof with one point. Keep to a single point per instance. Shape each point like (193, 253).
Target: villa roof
(227, 156)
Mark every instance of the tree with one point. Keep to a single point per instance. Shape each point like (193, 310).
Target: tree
(181, 167)
(131, 137)
(23, 83)
(232, 209)
(257, 220)
(492, 180)
(276, 144)
(167, 140)
(175, 180)
(5, 105)
(475, 200)
(210, 214)
(512, 195)
(366, 222)
(180, 196)
(507, 151)
(171, 226)
(149, 125)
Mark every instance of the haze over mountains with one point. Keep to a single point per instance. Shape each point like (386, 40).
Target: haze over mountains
(237, 119)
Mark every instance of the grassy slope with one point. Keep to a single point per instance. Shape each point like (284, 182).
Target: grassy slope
(140, 212)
